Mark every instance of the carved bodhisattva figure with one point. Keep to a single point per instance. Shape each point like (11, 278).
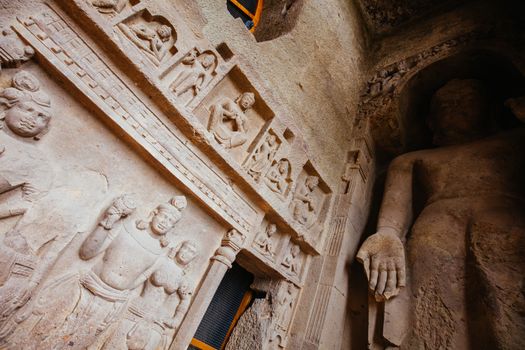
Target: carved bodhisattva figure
(79, 307)
(195, 72)
(278, 177)
(152, 318)
(466, 250)
(262, 158)
(25, 173)
(228, 120)
(263, 242)
(304, 206)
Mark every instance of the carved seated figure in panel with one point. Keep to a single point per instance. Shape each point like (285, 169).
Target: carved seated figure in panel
(263, 241)
(291, 260)
(228, 120)
(152, 317)
(278, 177)
(466, 252)
(79, 307)
(304, 204)
(195, 72)
(153, 38)
(262, 158)
(109, 6)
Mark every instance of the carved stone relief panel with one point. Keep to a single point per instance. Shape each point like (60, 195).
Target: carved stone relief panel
(234, 113)
(310, 201)
(193, 73)
(284, 303)
(57, 165)
(261, 159)
(152, 35)
(292, 261)
(58, 43)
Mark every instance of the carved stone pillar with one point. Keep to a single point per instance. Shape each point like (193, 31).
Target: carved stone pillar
(220, 263)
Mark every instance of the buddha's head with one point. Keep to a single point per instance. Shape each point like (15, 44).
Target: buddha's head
(460, 112)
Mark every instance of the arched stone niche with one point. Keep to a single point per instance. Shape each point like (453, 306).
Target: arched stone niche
(502, 78)
(397, 96)
(278, 18)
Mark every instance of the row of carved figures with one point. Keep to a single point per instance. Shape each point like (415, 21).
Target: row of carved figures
(229, 122)
(134, 291)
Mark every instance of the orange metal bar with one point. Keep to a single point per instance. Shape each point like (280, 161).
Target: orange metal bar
(246, 299)
(243, 9)
(203, 346)
(257, 17)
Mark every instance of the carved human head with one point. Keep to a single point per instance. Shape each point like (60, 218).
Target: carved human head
(164, 32)
(28, 108)
(207, 60)
(184, 289)
(312, 182)
(271, 139)
(284, 165)
(165, 216)
(271, 230)
(186, 253)
(246, 100)
(460, 111)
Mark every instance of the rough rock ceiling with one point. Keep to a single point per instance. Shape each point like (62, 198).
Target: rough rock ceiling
(385, 15)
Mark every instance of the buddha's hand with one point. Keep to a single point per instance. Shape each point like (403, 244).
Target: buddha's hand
(383, 257)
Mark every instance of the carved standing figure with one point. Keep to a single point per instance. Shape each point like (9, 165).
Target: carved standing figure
(278, 177)
(304, 206)
(262, 158)
(228, 120)
(158, 311)
(196, 71)
(263, 241)
(129, 254)
(285, 305)
(26, 170)
(466, 250)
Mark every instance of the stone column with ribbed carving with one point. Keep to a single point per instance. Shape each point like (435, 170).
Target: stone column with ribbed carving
(224, 256)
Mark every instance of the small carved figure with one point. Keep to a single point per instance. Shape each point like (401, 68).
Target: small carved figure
(131, 253)
(195, 72)
(263, 241)
(262, 158)
(154, 38)
(304, 206)
(285, 304)
(278, 177)
(109, 6)
(13, 52)
(161, 305)
(291, 260)
(228, 120)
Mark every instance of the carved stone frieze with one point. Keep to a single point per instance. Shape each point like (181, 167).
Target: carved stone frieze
(260, 161)
(278, 178)
(48, 31)
(293, 260)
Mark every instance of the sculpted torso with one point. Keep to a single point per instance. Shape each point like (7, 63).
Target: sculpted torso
(125, 259)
